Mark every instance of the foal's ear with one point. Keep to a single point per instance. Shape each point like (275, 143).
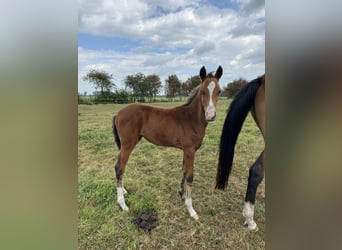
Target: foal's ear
(219, 72)
(203, 73)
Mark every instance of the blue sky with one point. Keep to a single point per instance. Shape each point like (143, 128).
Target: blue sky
(171, 37)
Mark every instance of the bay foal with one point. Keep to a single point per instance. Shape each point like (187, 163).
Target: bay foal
(181, 127)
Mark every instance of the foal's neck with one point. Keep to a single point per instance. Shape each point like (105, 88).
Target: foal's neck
(196, 111)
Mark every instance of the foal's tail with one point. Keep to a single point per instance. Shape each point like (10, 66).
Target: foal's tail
(237, 113)
(116, 134)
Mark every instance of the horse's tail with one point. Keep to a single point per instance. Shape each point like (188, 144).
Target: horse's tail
(116, 134)
(237, 113)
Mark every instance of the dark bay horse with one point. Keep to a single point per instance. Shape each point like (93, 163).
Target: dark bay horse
(250, 98)
(181, 127)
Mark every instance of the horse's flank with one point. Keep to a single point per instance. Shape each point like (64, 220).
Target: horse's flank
(258, 111)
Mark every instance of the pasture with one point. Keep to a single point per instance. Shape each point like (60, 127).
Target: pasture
(152, 179)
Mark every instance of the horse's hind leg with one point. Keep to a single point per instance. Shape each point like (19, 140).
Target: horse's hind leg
(121, 191)
(256, 174)
(119, 171)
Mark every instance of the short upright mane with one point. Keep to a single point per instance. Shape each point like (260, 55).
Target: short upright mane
(192, 95)
(211, 74)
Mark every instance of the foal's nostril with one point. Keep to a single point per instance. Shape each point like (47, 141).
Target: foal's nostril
(210, 119)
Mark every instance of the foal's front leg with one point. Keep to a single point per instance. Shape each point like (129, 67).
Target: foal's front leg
(188, 175)
(181, 187)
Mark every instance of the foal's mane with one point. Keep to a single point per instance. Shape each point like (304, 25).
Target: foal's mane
(192, 95)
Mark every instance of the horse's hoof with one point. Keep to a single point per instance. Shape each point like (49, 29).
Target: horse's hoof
(195, 216)
(251, 227)
(123, 207)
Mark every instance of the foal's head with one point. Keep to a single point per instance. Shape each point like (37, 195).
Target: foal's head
(209, 91)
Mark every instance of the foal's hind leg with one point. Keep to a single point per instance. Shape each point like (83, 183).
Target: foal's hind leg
(121, 191)
(188, 175)
(256, 174)
(119, 171)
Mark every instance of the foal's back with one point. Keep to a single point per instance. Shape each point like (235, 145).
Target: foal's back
(161, 126)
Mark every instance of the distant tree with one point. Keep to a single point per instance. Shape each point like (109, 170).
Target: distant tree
(172, 86)
(153, 84)
(101, 80)
(136, 84)
(190, 84)
(122, 96)
(234, 87)
(184, 91)
(143, 86)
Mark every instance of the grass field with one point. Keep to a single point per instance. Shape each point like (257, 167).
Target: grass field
(152, 180)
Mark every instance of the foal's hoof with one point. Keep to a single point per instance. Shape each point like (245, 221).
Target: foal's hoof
(252, 226)
(195, 216)
(123, 206)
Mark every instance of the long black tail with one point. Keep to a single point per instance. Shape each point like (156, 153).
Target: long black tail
(237, 113)
(115, 133)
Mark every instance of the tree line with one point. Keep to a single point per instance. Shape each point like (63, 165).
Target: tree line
(145, 88)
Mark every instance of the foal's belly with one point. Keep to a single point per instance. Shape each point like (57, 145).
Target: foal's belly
(162, 139)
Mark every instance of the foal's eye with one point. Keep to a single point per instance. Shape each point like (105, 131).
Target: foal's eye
(202, 92)
(219, 93)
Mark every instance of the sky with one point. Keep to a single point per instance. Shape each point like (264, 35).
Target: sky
(178, 37)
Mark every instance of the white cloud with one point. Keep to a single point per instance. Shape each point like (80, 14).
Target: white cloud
(251, 6)
(175, 37)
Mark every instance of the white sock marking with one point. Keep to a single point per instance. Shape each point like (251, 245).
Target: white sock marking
(248, 213)
(121, 199)
(188, 203)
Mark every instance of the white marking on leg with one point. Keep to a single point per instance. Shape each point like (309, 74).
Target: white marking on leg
(124, 191)
(248, 213)
(121, 199)
(188, 203)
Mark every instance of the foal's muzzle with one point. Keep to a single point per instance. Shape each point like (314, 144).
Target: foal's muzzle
(210, 114)
(212, 119)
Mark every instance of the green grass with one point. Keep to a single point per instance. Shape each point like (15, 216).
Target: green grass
(152, 179)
